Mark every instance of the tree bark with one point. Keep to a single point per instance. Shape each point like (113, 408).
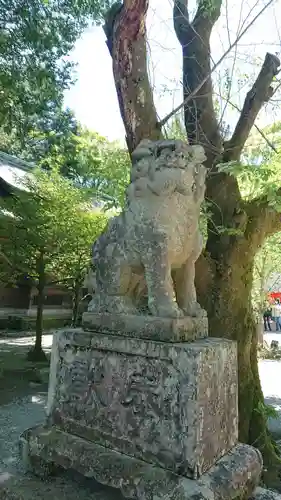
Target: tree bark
(199, 114)
(224, 273)
(125, 30)
(37, 353)
(75, 302)
(230, 313)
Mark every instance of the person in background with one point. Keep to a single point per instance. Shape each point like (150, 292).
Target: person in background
(276, 314)
(267, 316)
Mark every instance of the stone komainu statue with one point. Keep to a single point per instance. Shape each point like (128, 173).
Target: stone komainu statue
(145, 260)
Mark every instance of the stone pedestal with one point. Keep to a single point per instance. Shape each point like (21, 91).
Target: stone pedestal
(233, 477)
(153, 418)
(184, 329)
(173, 405)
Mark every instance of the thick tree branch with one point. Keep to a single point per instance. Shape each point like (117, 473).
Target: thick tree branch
(259, 130)
(207, 15)
(263, 217)
(181, 19)
(126, 39)
(260, 93)
(200, 119)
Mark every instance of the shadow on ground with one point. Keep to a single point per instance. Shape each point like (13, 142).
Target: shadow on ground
(17, 375)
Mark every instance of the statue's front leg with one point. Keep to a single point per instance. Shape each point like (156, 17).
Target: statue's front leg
(161, 298)
(185, 290)
(184, 279)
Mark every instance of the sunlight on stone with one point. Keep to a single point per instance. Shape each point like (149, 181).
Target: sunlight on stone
(4, 476)
(10, 460)
(47, 341)
(38, 400)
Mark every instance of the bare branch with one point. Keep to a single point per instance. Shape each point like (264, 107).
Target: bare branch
(269, 143)
(215, 66)
(260, 93)
(5, 259)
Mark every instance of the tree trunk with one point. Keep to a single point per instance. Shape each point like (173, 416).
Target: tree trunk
(37, 353)
(224, 288)
(125, 30)
(75, 303)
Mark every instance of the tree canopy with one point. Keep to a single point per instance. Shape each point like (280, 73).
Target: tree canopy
(35, 38)
(88, 160)
(100, 166)
(46, 235)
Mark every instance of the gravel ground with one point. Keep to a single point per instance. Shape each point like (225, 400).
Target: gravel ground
(27, 411)
(15, 417)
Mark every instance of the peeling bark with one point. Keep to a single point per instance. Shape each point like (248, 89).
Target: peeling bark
(126, 39)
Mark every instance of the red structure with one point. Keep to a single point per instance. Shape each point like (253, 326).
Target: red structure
(274, 295)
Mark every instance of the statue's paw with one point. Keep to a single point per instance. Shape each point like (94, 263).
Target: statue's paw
(167, 311)
(112, 304)
(121, 305)
(194, 310)
(93, 305)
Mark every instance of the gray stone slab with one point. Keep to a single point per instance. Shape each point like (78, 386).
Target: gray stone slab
(232, 478)
(265, 494)
(183, 329)
(173, 405)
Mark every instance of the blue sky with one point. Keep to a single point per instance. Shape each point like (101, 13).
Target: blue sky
(93, 96)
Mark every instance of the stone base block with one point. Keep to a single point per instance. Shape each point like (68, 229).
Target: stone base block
(173, 405)
(148, 327)
(264, 494)
(233, 477)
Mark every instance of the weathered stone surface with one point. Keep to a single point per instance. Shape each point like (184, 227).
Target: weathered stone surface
(148, 327)
(264, 494)
(232, 478)
(147, 255)
(170, 404)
